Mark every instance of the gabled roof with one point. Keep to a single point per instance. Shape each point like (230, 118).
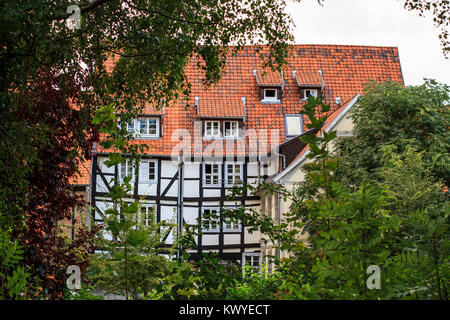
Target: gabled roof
(308, 78)
(345, 70)
(223, 107)
(331, 122)
(269, 78)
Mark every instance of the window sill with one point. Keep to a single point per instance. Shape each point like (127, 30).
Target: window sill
(270, 101)
(147, 181)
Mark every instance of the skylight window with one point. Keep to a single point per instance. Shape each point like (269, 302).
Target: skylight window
(293, 125)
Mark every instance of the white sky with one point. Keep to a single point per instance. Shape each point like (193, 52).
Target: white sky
(375, 22)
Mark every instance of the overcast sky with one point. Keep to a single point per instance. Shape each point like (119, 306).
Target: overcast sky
(375, 22)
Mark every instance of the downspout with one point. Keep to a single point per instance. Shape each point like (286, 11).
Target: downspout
(279, 222)
(180, 203)
(259, 169)
(89, 194)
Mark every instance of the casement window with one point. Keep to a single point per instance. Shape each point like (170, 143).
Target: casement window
(231, 129)
(233, 174)
(147, 214)
(131, 126)
(149, 127)
(309, 92)
(252, 259)
(146, 127)
(294, 125)
(211, 173)
(148, 171)
(212, 129)
(126, 170)
(210, 220)
(230, 225)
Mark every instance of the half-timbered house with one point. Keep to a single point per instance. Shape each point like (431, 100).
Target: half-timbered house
(244, 130)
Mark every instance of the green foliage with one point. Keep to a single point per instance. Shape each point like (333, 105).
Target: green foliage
(389, 114)
(131, 263)
(13, 276)
(207, 278)
(378, 201)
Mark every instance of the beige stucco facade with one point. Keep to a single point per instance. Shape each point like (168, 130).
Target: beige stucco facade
(276, 206)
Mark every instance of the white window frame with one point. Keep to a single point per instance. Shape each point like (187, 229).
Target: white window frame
(299, 116)
(147, 207)
(144, 177)
(132, 130)
(234, 132)
(305, 97)
(147, 135)
(274, 98)
(136, 129)
(234, 174)
(212, 134)
(217, 220)
(129, 163)
(236, 225)
(250, 256)
(219, 174)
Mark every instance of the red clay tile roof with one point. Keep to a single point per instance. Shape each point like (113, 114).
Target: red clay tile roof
(223, 107)
(308, 78)
(345, 70)
(269, 78)
(150, 110)
(83, 177)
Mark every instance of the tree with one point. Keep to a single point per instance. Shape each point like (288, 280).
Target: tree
(58, 138)
(389, 114)
(148, 42)
(417, 198)
(394, 218)
(441, 17)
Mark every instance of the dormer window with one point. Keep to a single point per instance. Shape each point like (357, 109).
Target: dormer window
(149, 127)
(212, 129)
(227, 129)
(309, 92)
(145, 127)
(271, 84)
(311, 83)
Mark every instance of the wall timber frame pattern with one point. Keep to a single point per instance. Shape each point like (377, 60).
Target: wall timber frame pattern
(164, 197)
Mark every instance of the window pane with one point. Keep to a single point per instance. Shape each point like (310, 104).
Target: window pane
(123, 169)
(143, 126)
(270, 93)
(152, 127)
(129, 168)
(216, 128)
(151, 170)
(130, 126)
